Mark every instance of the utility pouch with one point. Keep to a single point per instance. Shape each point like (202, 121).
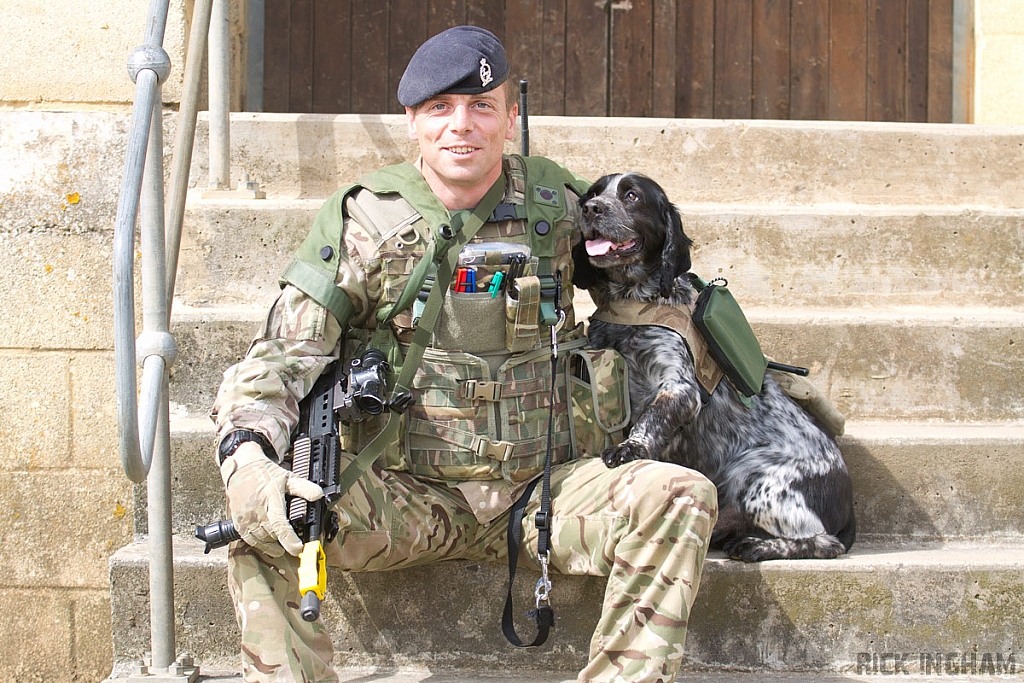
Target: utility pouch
(730, 340)
(473, 317)
(471, 322)
(468, 424)
(522, 314)
(599, 389)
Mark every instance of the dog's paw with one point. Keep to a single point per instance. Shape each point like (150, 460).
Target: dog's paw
(751, 549)
(756, 549)
(627, 451)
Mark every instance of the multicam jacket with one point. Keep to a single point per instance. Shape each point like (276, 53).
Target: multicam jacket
(483, 390)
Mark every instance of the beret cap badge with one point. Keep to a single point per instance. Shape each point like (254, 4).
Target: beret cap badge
(485, 72)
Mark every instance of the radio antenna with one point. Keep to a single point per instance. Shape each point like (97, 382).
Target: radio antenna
(524, 117)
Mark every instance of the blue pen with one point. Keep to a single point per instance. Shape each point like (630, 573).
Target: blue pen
(471, 280)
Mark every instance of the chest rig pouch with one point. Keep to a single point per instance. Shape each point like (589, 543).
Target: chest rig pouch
(482, 389)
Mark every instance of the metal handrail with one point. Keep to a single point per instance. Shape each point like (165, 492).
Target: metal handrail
(143, 419)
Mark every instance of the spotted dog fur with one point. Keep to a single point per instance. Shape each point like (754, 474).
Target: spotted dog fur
(784, 490)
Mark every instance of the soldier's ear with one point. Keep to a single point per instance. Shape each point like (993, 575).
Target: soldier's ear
(513, 114)
(410, 119)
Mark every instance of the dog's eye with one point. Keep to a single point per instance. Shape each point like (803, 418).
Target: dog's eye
(632, 196)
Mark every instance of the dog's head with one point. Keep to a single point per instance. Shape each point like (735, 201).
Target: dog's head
(632, 234)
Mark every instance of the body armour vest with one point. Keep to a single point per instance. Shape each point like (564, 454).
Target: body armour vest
(482, 392)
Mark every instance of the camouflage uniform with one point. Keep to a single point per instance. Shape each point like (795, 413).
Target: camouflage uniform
(644, 525)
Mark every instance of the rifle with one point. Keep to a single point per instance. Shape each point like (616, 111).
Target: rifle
(315, 456)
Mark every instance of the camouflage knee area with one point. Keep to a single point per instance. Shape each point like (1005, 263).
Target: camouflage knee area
(649, 488)
(661, 539)
(658, 545)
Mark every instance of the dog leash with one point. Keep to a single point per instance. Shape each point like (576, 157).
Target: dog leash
(543, 614)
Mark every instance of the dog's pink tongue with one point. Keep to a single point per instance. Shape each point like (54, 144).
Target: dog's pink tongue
(599, 247)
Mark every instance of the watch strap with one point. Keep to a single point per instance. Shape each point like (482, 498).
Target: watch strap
(230, 443)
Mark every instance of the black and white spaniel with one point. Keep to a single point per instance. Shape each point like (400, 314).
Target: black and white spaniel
(784, 490)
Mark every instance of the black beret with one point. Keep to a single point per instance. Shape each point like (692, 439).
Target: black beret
(465, 60)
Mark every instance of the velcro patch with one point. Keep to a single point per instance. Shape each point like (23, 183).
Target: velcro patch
(546, 195)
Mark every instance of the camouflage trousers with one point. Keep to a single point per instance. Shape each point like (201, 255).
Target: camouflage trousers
(644, 525)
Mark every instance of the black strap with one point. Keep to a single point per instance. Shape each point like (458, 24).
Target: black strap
(543, 517)
(543, 615)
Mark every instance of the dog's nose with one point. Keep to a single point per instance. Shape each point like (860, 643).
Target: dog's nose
(593, 207)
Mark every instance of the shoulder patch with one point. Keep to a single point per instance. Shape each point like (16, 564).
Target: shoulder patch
(547, 196)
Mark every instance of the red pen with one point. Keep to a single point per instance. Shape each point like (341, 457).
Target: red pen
(460, 279)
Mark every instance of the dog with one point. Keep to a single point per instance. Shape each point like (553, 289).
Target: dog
(784, 489)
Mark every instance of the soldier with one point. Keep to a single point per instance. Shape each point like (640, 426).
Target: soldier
(475, 435)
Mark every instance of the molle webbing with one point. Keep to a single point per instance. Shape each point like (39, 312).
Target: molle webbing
(314, 268)
(675, 318)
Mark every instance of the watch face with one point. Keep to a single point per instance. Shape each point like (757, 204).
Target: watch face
(232, 441)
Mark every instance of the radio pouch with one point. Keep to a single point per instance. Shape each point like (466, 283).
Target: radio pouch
(730, 340)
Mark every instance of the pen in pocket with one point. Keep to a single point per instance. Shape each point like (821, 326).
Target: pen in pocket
(495, 285)
(465, 280)
(516, 267)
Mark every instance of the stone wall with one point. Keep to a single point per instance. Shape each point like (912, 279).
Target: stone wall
(66, 503)
(999, 62)
(64, 54)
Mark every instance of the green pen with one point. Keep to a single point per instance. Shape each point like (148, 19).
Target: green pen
(496, 283)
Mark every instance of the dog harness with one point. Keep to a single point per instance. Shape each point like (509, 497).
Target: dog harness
(679, 319)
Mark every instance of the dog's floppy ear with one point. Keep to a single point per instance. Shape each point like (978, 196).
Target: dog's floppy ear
(583, 275)
(675, 257)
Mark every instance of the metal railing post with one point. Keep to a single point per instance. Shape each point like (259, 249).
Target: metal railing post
(185, 136)
(220, 96)
(143, 419)
(219, 186)
(157, 342)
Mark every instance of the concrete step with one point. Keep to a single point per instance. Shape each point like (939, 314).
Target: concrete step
(777, 616)
(821, 255)
(920, 482)
(874, 665)
(910, 363)
(780, 163)
(744, 162)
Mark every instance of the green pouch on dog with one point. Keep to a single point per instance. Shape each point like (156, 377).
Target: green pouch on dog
(731, 342)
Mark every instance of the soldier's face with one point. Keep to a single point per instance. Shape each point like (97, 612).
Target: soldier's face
(462, 137)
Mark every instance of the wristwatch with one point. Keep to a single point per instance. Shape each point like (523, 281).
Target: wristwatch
(230, 443)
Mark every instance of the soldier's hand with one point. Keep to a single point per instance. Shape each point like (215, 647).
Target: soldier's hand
(255, 488)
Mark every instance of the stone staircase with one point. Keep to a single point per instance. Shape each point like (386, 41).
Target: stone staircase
(885, 257)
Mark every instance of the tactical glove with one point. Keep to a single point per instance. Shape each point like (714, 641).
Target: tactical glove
(255, 488)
